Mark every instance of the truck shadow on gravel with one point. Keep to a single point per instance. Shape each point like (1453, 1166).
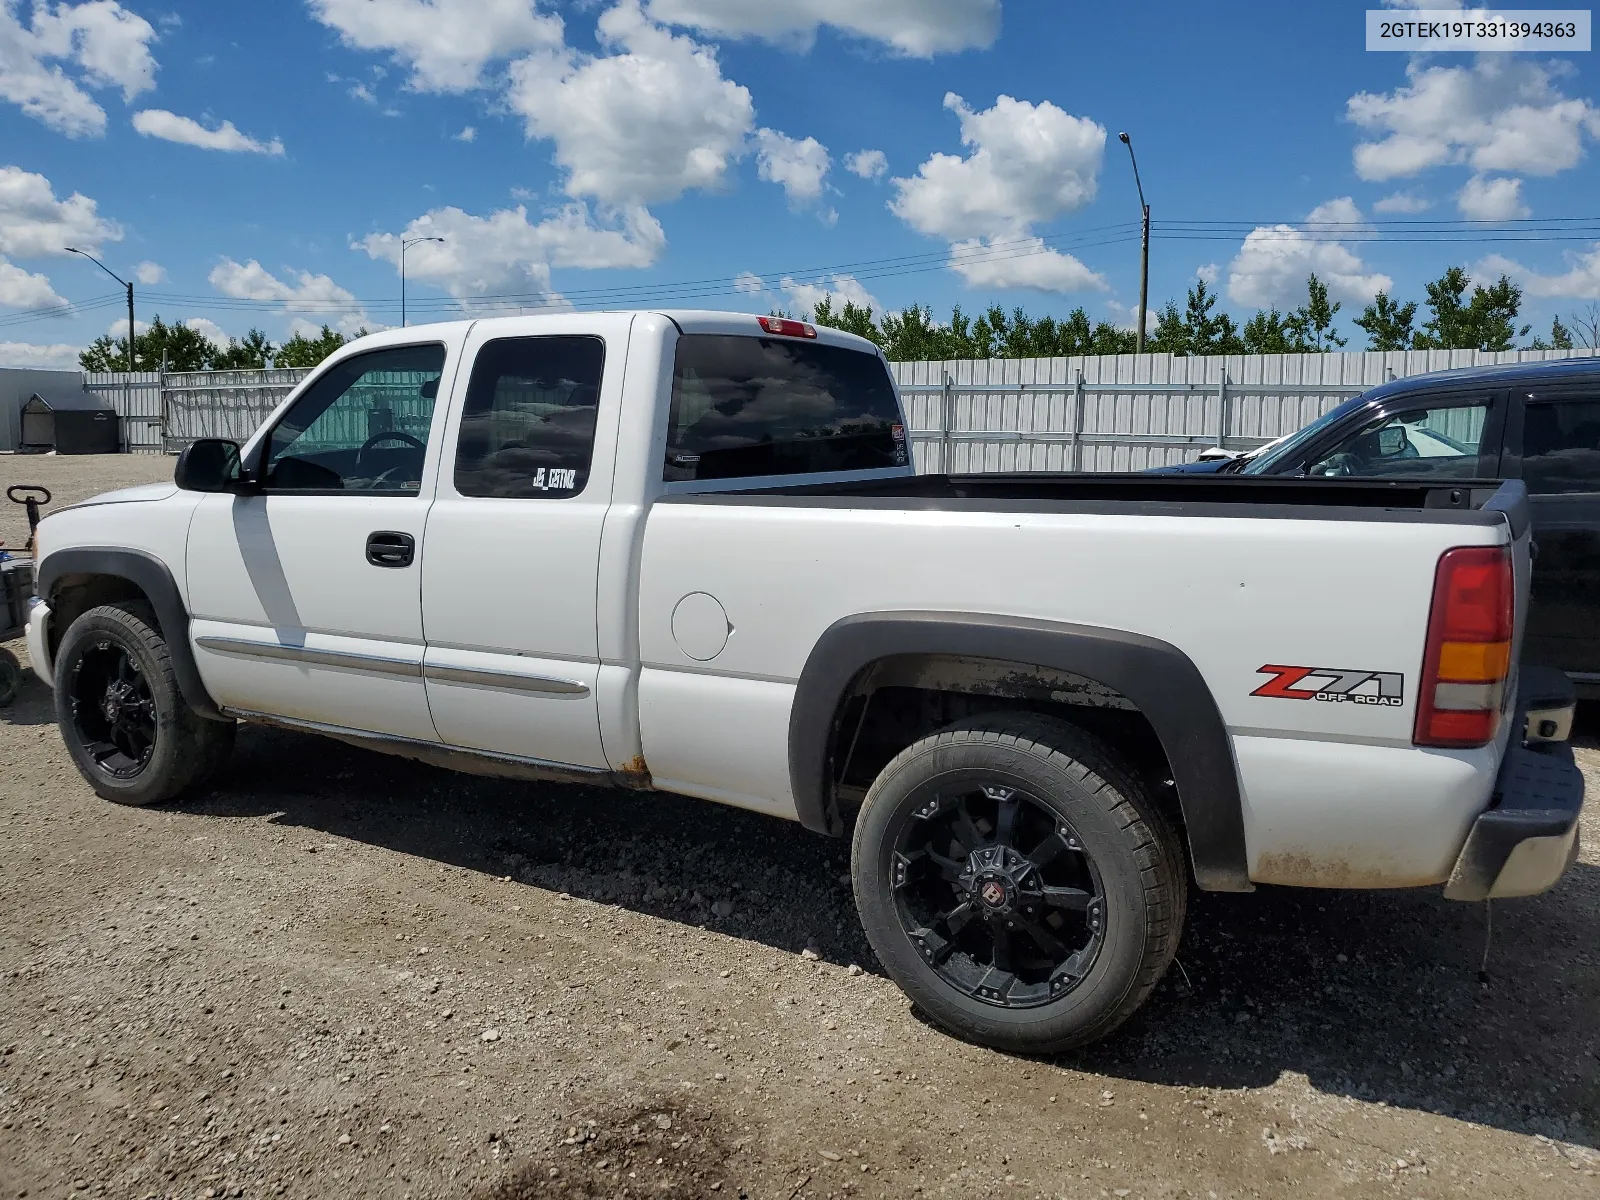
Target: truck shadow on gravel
(1368, 995)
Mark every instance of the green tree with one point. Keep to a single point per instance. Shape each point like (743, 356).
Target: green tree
(177, 346)
(1388, 324)
(1312, 323)
(1487, 320)
(1268, 333)
(1198, 329)
(301, 351)
(253, 352)
(852, 318)
(1170, 335)
(1560, 338)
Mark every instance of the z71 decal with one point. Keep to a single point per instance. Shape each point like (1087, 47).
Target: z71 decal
(1334, 685)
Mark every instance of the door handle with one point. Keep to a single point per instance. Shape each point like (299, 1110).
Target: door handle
(389, 549)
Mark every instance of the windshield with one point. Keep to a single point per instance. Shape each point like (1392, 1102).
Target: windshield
(1284, 452)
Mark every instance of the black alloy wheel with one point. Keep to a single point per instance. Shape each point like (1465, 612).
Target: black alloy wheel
(998, 894)
(122, 713)
(1017, 879)
(113, 710)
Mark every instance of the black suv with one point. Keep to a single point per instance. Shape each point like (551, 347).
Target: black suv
(1538, 422)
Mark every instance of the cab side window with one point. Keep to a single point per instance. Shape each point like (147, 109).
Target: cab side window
(527, 426)
(753, 406)
(1428, 443)
(363, 426)
(1561, 447)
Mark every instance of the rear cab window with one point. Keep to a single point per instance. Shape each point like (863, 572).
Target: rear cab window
(749, 407)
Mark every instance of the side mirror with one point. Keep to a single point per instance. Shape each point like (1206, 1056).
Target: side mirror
(1392, 440)
(208, 465)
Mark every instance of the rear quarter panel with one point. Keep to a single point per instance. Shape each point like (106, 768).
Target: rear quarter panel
(1334, 792)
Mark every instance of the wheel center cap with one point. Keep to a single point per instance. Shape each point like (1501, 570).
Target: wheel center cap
(999, 879)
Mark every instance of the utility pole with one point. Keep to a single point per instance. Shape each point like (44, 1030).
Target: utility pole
(1144, 252)
(406, 244)
(124, 283)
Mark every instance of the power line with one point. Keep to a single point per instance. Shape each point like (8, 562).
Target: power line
(1404, 231)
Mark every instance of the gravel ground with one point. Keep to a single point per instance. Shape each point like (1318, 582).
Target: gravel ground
(339, 974)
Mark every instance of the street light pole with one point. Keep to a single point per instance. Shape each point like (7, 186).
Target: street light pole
(406, 244)
(124, 283)
(1144, 253)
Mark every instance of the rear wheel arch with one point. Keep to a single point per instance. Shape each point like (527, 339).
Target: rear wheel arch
(1156, 679)
(82, 578)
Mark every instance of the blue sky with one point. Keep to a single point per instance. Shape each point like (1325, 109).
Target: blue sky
(257, 165)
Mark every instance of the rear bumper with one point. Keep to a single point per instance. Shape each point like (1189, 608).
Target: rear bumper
(1529, 836)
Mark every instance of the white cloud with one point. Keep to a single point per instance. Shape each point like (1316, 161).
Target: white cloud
(504, 253)
(1029, 163)
(468, 134)
(840, 289)
(33, 223)
(1274, 261)
(749, 283)
(869, 164)
(1581, 281)
(22, 289)
(1126, 316)
(1208, 273)
(1403, 202)
(108, 44)
(920, 28)
(446, 44)
(56, 356)
(169, 127)
(1492, 199)
(119, 328)
(647, 123)
(798, 166)
(1503, 113)
(150, 273)
(314, 295)
(1339, 217)
(209, 330)
(1021, 263)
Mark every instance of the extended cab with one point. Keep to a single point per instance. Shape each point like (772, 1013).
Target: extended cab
(687, 551)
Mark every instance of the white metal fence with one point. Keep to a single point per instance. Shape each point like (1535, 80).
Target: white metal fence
(1122, 412)
(1127, 412)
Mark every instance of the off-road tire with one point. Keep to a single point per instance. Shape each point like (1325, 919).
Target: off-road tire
(188, 749)
(1138, 857)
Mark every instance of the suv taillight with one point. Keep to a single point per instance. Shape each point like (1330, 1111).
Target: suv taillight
(1469, 648)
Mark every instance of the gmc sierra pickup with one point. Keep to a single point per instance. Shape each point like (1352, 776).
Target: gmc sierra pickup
(687, 551)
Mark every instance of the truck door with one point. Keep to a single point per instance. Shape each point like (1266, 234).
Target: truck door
(306, 596)
(509, 583)
(1556, 451)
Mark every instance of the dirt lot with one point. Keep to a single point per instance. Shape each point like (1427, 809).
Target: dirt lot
(339, 974)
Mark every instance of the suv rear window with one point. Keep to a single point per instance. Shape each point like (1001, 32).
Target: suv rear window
(752, 406)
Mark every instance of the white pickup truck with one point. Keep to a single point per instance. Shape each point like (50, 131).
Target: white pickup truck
(687, 551)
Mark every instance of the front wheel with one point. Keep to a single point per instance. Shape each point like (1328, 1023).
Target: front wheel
(1018, 882)
(122, 716)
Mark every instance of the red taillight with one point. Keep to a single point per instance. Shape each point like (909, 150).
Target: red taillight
(786, 327)
(1469, 648)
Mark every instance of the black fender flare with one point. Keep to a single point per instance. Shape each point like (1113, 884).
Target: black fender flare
(1158, 678)
(151, 576)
